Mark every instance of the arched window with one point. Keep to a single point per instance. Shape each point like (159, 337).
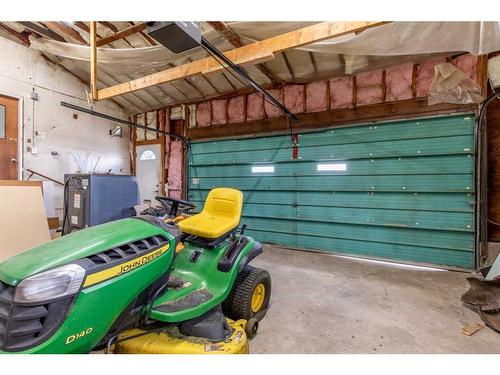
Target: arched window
(148, 155)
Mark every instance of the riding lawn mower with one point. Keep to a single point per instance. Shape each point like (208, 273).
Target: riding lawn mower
(146, 284)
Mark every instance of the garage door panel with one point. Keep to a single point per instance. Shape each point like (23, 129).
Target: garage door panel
(372, 233)
(449, 164)
(422, 183)
(398, 130)
(264, 197)
(416, 147)
(410, 253)
(401, 190)
(417, 129)
(380, 250)
(447, 202)
(256, 144)
(401, 236)
(457, 221)
(416, 201)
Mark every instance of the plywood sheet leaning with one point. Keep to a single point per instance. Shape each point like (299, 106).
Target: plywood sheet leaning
(23, 220)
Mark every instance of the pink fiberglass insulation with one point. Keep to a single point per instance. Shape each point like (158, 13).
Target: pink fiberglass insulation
(175, 169)
(341, 92)
(425, 74)
(468, 64)
(255, 107)
(203, 114)
(398, 80)
(236, 109)
(271, 110)
(369, 88)
(316, 96)
(219, 112)
(294, 98)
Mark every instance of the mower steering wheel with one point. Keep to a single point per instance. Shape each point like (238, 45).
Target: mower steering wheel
(172, 205)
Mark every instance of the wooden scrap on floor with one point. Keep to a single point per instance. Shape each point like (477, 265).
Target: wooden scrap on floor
(470, 329)
(23, 220)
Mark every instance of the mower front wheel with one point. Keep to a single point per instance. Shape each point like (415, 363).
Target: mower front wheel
(250, 295)
(252, 328)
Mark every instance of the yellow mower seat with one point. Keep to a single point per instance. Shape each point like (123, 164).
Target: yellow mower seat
(220, 215)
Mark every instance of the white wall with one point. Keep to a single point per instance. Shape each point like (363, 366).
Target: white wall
(22, 70)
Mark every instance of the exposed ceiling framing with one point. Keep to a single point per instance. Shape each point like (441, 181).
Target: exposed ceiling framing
(249, 54)
(183, 81)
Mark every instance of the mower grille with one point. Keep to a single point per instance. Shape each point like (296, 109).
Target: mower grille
(127, 251)
(23, 326)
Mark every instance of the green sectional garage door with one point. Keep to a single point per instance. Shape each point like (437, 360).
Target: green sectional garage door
(398, 190)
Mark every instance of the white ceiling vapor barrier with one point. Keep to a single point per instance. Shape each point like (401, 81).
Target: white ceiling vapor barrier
(375, 48)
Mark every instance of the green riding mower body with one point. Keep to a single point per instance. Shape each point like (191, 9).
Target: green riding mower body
(86, 290)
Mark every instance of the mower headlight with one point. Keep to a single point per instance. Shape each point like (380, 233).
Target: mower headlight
(49, 285)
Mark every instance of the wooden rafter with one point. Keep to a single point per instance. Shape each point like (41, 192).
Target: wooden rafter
(148, 39)
(121, 34)
(288, 66)
(189, 83)
(229, 82)
(236, 42)
(249, 54)
(65, 29)
(42, 31)
(83, 26)
(54, 59)
(23, 37)
(114, 29)
(314, 65)
(207, 80)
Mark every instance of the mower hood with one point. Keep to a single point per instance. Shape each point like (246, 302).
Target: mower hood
(75, 246)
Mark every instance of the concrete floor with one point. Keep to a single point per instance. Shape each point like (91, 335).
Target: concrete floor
(326, 304)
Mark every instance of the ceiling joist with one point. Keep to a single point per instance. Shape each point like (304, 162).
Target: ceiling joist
(43, 31)
(65, 29)
(236, 42)
(249, 54)
(21, 36)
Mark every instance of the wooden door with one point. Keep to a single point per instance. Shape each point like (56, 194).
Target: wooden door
(8, 138)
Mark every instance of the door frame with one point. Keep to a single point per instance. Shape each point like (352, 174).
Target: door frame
(20, 132)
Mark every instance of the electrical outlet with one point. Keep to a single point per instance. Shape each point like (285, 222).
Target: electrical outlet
(34, 151)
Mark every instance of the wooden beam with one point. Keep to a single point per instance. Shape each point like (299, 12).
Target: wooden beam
(288, 66)
(236, 42)
(93, 60)
(22, 37)
(205, 78)
(83, 26)
(247, 54)
(148, 39)
(314, 65)
(62, 28)
(189, 83)
(122, 34)
(80, 79)
(43, 31)
(114, 29)
(337, 117)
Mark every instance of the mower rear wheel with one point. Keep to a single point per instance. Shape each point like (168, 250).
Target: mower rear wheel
(250, 295)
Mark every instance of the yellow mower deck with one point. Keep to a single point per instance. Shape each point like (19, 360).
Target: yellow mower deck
(175, 343)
